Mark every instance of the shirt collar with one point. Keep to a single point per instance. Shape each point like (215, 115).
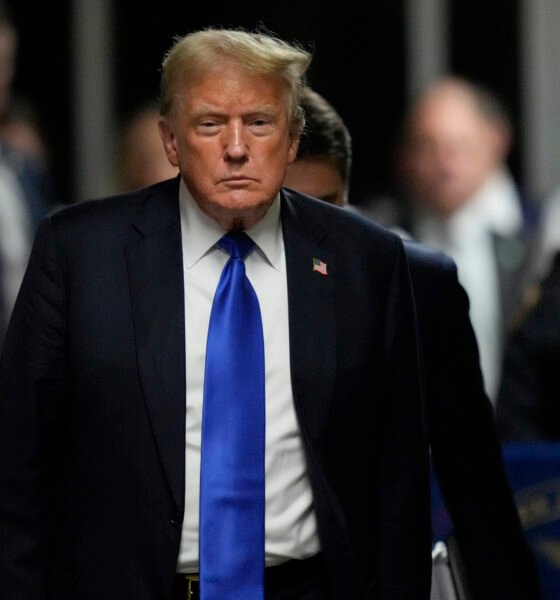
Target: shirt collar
(203, 233)
(267, 235)
(495, 207)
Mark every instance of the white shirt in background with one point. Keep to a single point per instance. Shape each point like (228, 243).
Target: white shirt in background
(467, 237)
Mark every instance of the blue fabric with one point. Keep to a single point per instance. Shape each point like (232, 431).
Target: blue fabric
(533, 470)
(232, 477)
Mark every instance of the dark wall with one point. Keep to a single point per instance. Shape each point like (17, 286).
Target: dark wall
(485, 46)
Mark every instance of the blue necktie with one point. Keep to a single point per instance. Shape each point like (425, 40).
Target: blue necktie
(233, 438)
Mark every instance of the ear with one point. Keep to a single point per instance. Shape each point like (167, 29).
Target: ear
(169, 141)
(294, 145)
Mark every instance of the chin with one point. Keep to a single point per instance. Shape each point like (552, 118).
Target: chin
(245, 201)
(237, 214)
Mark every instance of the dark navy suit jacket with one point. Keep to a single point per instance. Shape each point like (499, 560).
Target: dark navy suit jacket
(528, 408)
(92, 403)
(465, 448)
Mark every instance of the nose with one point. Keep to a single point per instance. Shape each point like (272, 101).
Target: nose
(235, 145)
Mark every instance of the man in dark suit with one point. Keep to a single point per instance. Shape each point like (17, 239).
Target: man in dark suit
(102, 377)
(465, 449)
(528, 408)
(457, 195)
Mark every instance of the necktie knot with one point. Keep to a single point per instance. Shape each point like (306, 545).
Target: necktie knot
(237, 243)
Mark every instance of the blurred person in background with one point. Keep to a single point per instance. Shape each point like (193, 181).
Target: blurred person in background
(18, 121)
(141, 159)
(549, 245)
(498, 562)
(324, 156)
(461, 198)
(528, 406)
(25, 188)
(15, 239)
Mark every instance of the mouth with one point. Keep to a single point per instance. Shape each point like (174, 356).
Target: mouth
(237, 180)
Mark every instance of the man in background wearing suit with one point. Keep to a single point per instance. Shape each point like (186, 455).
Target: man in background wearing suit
(104, 374)
(464, 444)
(458, 196)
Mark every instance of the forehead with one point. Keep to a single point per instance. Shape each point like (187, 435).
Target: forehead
(448, 114)
(231, 87)
(314, 175)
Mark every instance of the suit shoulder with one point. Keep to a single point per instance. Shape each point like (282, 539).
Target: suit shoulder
(109, 211)
(425, 260)
(94, 209)
(342, 225)
(435, 282)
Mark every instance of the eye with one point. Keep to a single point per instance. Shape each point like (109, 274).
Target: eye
(261, 125)
(207, 126)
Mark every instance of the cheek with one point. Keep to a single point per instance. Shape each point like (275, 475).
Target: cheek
(206, 153)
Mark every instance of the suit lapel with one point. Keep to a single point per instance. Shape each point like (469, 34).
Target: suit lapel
(154, 260)
(155, 270)
(312, 317)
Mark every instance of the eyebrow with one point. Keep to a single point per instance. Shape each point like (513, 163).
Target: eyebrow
(211, 111)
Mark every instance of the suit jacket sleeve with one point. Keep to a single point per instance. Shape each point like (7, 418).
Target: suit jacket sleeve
(404, 548)
(467, 456)
(31, 399)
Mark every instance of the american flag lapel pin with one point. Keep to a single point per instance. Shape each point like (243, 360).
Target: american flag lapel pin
(319, 266)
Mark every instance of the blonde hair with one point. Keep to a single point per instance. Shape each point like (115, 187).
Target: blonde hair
(259, 53)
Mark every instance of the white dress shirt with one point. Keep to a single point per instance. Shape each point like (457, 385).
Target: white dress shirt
(290, 524)
(467, 237)
(15, 236)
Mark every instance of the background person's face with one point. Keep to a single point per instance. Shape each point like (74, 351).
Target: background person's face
(450, 152)
(231, 136)
(318, 177)
(144, 161)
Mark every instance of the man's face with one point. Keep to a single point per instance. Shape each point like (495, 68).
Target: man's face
(318, 177)
(230, 134)
(450, 152)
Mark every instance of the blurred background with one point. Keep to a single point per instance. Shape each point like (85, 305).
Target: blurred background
(86, 65)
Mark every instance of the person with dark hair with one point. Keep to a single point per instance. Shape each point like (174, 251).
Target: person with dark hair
(210, 387)
(326, 146)
(141, 159)
(498, 562)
